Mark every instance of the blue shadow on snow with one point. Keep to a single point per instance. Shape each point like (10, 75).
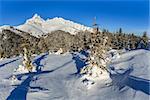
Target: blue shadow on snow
(80, 63)
(2, 65)
(20, 92)
(37, 62)
(136, 83)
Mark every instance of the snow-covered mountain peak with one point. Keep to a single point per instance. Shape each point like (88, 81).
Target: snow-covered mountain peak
(62, 21)
(36, 16)
(57, 18)
(37, 26)
(67, 25)
(36, 19)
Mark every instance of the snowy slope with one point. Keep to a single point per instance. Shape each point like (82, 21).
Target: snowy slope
(58, 81)
(13, 29)
(38, 26)
(4, 27)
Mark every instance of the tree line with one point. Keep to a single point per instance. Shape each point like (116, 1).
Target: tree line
(10, 42)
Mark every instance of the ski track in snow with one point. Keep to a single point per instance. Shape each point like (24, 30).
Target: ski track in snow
(57, 78)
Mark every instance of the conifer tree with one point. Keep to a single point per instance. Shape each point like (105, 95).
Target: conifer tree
(143, 43)
(27, 63)
(145, 37)
(120, 30)
(97, 57)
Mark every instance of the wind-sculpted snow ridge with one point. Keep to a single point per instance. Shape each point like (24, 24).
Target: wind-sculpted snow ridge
(38, 26)
(57, 78)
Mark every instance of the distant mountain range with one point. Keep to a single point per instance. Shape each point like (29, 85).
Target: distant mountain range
(37, 26)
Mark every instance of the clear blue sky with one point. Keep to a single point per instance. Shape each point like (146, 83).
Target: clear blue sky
(130, 15)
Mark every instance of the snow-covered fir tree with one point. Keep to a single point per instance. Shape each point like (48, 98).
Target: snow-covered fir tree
(141, 45)
(27, 65)
(27, 59)
(96, 68)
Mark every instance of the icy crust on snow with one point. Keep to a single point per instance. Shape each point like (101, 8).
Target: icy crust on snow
(38, 26)
(58, 79)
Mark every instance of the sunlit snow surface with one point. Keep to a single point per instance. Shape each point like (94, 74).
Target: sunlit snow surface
(57, 79)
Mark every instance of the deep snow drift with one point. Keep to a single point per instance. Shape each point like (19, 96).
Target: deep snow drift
(58, 79)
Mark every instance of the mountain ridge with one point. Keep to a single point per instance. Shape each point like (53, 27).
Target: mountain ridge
(37, 26)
